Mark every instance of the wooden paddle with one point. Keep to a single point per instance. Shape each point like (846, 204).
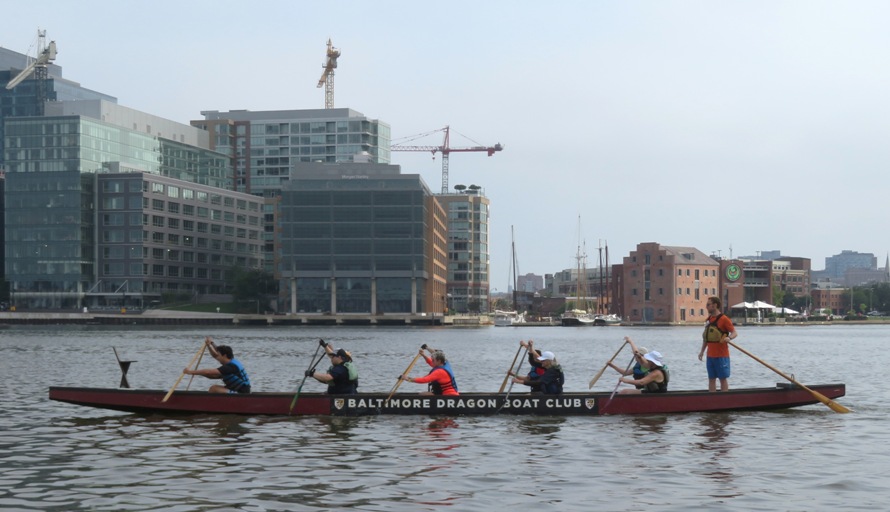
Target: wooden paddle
(516, 372)
(512, 365)
(603, 408)
(198, 364)
(406, 372)
(312, 364)
(834, 406)
(197, 355)
(600, 373)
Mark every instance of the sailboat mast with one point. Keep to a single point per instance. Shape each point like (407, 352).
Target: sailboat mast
(599, 299)
(608, 282)
(515, 279)
(578, 275)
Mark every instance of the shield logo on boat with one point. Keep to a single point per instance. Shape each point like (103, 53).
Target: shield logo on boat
(339, 403)
(590, 402)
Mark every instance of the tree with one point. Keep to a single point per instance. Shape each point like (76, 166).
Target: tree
(501, 303)
(252, 285)
(778, 295)
(798, 303)
(474, 305)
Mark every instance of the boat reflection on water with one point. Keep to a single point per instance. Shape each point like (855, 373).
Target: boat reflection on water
(649, 424)
(441, 438)
(541, 424)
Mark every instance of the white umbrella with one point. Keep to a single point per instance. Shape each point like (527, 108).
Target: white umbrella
(759, 304)
(786, 311)
(743, 305)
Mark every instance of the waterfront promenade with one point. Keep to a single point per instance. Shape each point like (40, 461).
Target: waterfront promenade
(175, 317)
(172, 317)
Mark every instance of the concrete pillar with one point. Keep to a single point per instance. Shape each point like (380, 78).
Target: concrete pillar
(373, 295)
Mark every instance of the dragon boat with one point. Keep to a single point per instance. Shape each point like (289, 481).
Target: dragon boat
(782, 396)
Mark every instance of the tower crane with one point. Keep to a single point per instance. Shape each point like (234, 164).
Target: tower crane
(445, 149)
(45, 55)
(327, 77)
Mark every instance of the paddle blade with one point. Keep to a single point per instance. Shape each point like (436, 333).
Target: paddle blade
(834, 406)
(596, 378)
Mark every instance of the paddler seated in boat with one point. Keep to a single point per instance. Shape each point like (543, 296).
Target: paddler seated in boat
(551, 382)
(639, 369)
(656, 378)
(342, 376)
(440, 379)
(232, 372)
(537, 369)
(433, 362)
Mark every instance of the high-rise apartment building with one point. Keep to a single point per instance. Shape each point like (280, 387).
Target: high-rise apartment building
(469, 255)
(265, 145)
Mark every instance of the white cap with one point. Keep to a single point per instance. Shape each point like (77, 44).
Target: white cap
(546, 356)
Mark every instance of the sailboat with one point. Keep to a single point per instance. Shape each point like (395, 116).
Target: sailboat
(603, 317)
(579, 315)
(510, 318)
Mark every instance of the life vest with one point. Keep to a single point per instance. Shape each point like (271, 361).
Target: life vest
(344, 388)
(658, 387)
(554, 386)
(712, 333)
(436, 387)
(450, 372)
(237, 381)
(639, 373)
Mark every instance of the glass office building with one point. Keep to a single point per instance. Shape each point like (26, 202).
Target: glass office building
(23, 99)
(98, 214)
(359, 238)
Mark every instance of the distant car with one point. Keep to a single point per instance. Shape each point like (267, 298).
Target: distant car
(875, 313)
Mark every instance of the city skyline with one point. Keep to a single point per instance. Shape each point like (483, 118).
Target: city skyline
(755, 125)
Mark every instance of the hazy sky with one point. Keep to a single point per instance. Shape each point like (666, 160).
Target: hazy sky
(750, 125)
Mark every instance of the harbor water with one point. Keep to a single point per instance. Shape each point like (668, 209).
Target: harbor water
(56, 456)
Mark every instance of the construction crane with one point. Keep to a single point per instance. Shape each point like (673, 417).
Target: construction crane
(445, 149)
(327, 77)
(45, 55)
